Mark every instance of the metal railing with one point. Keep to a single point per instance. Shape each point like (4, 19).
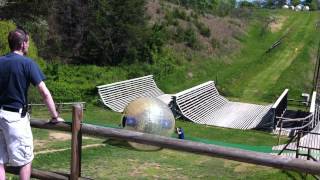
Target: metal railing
(305, 123)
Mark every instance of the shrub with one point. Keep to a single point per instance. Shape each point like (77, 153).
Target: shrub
(190, 38)
(215, 43)
(181, 14)
(169, 17)
(246, 4)
(5, 28)
(65, 92)
(223, 8)
(179, 34)
(194, 15)
(203, 29)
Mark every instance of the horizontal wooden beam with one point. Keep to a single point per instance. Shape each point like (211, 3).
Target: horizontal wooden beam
(38, 174)
(44, 175)
(264, 159)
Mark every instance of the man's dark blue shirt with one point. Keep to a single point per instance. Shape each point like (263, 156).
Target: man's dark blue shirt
(16, 74)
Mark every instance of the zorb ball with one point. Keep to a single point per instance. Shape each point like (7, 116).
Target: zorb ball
(148, 115)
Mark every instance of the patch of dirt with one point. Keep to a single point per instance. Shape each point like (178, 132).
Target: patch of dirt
(154, 11)
(140, 170)
(59, 136)
(243, 167)
(277, 24)
(228, 163)
(40, 143)
(63, 136)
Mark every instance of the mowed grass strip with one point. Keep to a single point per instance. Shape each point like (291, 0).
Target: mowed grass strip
(302, 25)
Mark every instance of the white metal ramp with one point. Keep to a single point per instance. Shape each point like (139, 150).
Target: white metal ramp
(118, 95)
(204, 105)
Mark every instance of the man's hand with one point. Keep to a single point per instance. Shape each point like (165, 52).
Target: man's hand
(56, 120)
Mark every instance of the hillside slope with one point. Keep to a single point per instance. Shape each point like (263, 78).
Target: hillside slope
(289, 65)
(240, 65)
(253, 75)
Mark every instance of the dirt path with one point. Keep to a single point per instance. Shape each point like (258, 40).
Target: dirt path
(281, 61)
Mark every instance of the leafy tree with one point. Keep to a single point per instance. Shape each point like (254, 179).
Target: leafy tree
(246, 4)
(218, 7)
(270, 3)
(307, 2)
(312, 4)
(116, 33)
(23, 10)
(67, 25)
(281, 2)
(295, 2)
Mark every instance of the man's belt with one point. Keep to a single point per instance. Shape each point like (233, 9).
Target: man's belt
(22, 111)
(11, 109)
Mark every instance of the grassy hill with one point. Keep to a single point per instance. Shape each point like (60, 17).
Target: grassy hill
(246, 73)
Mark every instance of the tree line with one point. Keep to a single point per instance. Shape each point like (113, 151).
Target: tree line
(77, 31)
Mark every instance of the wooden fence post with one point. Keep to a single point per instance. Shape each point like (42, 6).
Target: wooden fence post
(77, 115)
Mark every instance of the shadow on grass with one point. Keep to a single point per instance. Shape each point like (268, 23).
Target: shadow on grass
(295, 175)
(124, 144)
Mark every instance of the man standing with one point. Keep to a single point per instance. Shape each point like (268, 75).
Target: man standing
(16, 74)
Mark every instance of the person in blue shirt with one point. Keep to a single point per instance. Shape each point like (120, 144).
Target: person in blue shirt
(17, 72)
(180, 133)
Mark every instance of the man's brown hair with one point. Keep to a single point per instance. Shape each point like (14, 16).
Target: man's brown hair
(16, 38)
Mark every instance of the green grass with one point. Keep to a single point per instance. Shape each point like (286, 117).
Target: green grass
(118, 160)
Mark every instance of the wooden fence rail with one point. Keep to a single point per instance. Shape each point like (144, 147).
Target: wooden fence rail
(38, 174)
(77, 128)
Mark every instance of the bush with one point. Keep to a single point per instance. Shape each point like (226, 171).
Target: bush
(215, 43)
(190, 38)
(65, 92)
(181, 14)
(223, 7)
(179, 34)
(246, 4)
(169, 16)
(5, 28)
(203, 29)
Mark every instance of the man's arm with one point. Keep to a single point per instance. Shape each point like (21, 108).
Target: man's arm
(47, 98)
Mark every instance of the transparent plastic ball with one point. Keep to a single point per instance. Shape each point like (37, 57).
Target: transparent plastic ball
(148, 115)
